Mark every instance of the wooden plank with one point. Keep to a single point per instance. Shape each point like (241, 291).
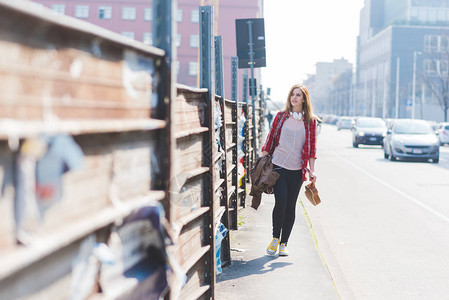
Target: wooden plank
(187, 132)
(198, 293)
(191, 217)
(189, 111)
(62, 236)
(195, 279)
(188, 154)
(25, 129)
(68, 84)
(187, 199)
(42, 15)
(190, 243)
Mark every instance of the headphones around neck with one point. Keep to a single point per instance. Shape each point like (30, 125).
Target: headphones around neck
(296, 115)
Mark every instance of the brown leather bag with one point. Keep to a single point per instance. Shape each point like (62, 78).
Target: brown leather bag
(312, 194)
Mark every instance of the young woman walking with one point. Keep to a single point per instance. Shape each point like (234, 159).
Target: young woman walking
(292, 144)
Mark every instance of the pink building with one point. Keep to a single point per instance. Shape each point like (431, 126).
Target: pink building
(132, 18)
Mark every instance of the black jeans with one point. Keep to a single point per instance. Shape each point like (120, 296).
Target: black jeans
(286, 191)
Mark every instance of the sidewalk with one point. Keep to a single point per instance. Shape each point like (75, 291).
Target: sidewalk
(255, 275)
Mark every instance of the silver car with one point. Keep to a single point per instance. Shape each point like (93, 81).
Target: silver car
(443, 131)
(411, 139)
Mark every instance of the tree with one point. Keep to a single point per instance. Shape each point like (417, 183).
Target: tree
(436, 69)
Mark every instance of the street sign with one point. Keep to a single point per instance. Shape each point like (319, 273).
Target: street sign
(243, 42)
(409, 102)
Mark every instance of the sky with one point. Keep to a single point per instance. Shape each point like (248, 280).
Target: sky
(300, 33)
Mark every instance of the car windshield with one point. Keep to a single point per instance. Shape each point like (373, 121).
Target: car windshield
(412, 128)
(374, 123)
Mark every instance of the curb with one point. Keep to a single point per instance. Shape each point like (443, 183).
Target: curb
(312, 232)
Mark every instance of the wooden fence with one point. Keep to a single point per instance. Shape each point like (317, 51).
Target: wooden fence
(109, 190)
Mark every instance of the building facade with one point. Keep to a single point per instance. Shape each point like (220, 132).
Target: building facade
(133, 19)
(395, 56)
(327, 86)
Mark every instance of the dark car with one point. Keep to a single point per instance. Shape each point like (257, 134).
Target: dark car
(412, 139)
(368, 131)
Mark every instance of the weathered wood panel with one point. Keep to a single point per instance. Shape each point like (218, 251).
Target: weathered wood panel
(189, 153)
(188, 199)
(191, 195)
(190, 240)
(7, 239)
(72, 93)
(195, 282)
(48, 73)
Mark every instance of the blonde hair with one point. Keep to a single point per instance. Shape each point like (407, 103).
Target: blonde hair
(306, 105)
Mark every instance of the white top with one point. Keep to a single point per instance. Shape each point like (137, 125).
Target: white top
(289, 151)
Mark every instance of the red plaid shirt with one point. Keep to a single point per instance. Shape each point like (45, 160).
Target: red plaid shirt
(309, 149)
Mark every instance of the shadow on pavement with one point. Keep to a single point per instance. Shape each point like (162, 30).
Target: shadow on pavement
(261, 265)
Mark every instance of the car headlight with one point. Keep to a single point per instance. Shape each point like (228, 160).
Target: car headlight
(361, 133)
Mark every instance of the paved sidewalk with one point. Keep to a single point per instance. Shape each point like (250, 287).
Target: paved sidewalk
(255, 275)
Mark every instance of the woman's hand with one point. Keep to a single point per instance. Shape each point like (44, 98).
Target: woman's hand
(312, 176)
(264, 153)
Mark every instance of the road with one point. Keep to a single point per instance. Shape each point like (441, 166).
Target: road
(383, 226)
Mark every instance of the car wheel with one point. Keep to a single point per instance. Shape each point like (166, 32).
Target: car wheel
(435, 160)
(392, 157)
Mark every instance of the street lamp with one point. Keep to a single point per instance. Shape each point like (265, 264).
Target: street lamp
(415, 53)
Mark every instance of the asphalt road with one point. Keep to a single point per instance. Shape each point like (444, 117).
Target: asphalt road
(383, 226)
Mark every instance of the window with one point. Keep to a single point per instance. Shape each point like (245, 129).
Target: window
(432, 15)
(58, 8)
(442, 67)
(195, 16)
(104, 12)
(430, 43)
(441, 15)
(429, 67)
(179, 15)
(194, 41)
(128, 13)
(422, 15)
(193, 68)
(148, 14)
(178, 40)
(128, 34)
(444, 43)
(82, 11)
(148, 38)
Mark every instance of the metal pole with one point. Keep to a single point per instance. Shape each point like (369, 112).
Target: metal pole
(207, 53)
(234, 78)
(384, 100)
(373, 94)
(163, 26)
(245, 86)
(396, 114)
(423, 95)
(219, 74)
(415, 53)
(414, 84)
(365, 102)
(251, 58)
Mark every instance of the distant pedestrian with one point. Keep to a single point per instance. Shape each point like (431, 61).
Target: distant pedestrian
(269, 118)
(291, 142)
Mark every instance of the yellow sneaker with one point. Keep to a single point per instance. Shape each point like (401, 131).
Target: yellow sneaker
(283, 249)
(273, 247)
